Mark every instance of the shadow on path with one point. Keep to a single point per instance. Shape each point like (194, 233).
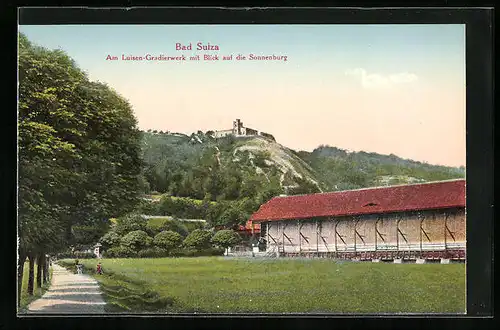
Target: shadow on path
(69, 294)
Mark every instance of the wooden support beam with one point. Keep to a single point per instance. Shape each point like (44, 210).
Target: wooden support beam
(305, 238)
(283, 226)
(288, 238)
(267, 236)
(379, 234)
(299, 226)
(445, 227)
(355, 224)
(423, 230)
(421, 217)
(275, 242)
(397, 232)
(335, 234)
(317, 235)
(356, 233)
(325, 242)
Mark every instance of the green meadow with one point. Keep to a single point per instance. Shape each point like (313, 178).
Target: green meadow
(225, 285)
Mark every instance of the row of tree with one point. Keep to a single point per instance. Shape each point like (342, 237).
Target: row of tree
(133, 236)
(79, 156)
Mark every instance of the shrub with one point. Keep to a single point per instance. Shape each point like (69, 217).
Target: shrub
(149, 207)
(136, 240)
(84, 255)
(153, 228)
(212, 251)
(175, 225)
(226, 238)
(120, 252)
(168, 240)
(154, 252)
(190, 226)
(199, 239)
(75, 255)
(129, 223)
(110, 239)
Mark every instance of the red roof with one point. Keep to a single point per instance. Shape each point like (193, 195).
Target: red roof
(248, 227)
(426, 196)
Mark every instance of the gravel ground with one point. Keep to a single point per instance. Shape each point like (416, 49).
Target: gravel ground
(69, 294)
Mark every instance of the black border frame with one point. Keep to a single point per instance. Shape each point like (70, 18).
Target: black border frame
(479, 166)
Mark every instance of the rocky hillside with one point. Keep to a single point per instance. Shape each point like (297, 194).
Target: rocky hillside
(232, 168)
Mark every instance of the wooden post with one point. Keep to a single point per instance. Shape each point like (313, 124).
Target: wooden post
(397, 233)
(421, 229)
(299, 226)
(335, 229)
(317, 236)
(283, 235)
(355, 238)
(445, 228)
(268, 244)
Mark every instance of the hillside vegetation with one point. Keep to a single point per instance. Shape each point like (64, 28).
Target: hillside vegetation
(230, 168)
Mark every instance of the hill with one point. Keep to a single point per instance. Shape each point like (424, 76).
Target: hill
(339, 169)
(231, 168)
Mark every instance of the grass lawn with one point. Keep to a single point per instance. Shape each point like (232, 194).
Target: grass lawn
(26, 299)
(218, 284)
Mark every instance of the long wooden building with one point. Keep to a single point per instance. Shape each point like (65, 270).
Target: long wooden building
(417, 221)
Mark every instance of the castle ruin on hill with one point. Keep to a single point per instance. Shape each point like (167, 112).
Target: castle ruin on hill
(240, 130)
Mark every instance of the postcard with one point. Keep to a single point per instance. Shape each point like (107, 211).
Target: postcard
(237, 168)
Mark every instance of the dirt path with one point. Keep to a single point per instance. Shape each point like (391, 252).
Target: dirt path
(69, 294)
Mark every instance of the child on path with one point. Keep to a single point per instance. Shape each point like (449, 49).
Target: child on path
(99, 269)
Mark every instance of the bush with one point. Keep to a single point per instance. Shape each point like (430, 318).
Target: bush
(197, 253)
(152, 229)
(199, 239)
(190, 226)
(75, 255)
(226, 238)
(149, 207)
(84, 255)
(175, 225)
(110, 239)
(154, 252)
(136, 240)
(168, 240)
(129, 223)
(120, 252)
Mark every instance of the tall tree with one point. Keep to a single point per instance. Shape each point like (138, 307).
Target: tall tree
(79, 152)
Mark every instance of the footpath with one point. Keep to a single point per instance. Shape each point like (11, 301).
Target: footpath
(69, 294)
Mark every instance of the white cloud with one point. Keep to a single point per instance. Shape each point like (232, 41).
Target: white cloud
(373, 80)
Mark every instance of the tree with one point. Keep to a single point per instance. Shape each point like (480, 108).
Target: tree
(231, 217)
(167, 240)
(136, 240)
(175, 226)
(130, 222)
(198, 239)
(79, 153)
(110, 239)
(225, 238)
